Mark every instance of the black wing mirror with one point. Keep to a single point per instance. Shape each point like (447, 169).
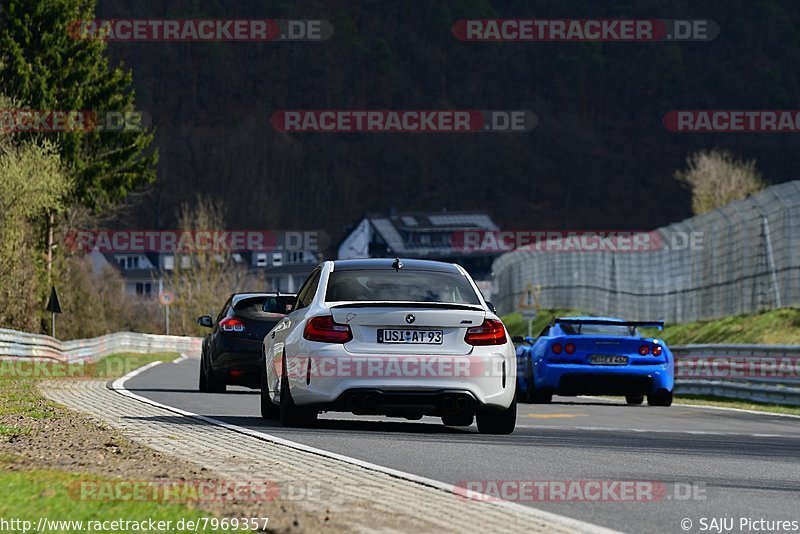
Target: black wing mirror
(205, 320)
(517, 339)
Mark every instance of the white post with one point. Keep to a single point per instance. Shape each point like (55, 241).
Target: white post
(53, 329)
(166, 319)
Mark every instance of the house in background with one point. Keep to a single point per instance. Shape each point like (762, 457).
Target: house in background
(283, 270)
(428, 235)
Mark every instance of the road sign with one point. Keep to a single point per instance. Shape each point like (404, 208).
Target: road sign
(53, 305)
(166, 297)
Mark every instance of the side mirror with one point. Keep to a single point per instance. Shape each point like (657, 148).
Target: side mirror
(205, 320)
(491, 306)
(517, 339)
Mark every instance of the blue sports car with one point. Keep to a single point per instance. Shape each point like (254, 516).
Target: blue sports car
(595, 356)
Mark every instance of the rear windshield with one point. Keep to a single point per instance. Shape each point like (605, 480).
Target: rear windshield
(598, 329)
(403, 285)
(253, 308)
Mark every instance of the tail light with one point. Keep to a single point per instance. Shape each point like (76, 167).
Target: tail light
(569, 348)
(556, 348)
(644, 350)
(231, 324)
(657, 350)
(326, 330)
(491, 332)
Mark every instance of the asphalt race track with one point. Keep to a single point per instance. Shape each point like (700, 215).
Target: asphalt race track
(729, 464)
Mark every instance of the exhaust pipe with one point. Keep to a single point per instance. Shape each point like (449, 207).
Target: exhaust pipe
(461, 403)
(449, 403)
(369, 402)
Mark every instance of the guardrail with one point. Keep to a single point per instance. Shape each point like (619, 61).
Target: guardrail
(14, 344)
(762, 373)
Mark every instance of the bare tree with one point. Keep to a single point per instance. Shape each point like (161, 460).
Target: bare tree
(716, 178)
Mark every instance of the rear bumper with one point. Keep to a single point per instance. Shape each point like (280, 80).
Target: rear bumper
(403, 402)
(576, 379)
(238, 361)
(403, 383)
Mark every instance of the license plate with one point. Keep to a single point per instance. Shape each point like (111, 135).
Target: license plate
(422, 337)
(605, 359)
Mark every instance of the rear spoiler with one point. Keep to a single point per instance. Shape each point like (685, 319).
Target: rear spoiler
(405, 304)
(639, 324)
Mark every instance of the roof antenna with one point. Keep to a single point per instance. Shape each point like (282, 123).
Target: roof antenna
(397, 264)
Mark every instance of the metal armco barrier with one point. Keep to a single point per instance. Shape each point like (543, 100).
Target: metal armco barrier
(762, 373)
(14, 344)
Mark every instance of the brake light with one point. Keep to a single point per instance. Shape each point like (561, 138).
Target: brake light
(326, 330)
(231, 324)
(657, 350)
(557, 348)
(491, 332)
(569, 348)
(644, 350)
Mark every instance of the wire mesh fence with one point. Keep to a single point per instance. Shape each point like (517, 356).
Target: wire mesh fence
(741, 258)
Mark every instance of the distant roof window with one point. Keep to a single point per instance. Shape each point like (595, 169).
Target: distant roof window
(409, 221)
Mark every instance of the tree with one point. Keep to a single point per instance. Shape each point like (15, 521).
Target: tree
(203, 280)
(43, 66)
(34, 185)
(716, 178)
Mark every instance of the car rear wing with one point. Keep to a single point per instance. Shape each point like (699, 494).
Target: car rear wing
(611, 322)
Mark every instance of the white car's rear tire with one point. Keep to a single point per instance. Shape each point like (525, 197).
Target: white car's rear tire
(493, 421)
(290, 414)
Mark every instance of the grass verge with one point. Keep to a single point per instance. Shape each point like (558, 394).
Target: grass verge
(30, 489)
(28, 496)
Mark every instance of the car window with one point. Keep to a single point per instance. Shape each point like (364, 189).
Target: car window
(224, 311)
(307, 292)
(598, 330)
(403, 285)
(545, 332)
(253, 308)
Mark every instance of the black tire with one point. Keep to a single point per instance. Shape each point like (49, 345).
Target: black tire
(292, 415)
(634, 399)
(494, 421)
(269, 410)
(661, 397)
(523, 393)
(464, 419)
(213, 383)
(203, 385)
(538, 396)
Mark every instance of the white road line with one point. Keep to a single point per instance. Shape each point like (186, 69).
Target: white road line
(742, 410)
(707, 407)
(118, 385)
(660, 431)
(182, 358)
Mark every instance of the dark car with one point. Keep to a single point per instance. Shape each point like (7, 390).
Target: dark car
(232, 352)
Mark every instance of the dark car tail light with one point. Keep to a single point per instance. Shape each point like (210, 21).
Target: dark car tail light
(491, 332)
(231, 324)
(569, 348)
(324, 329)
(556, 348)
(644, 350)
(657, 350)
